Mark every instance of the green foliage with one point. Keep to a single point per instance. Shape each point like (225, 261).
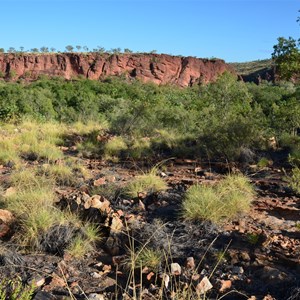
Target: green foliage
(219, 203)
(253, 238)
(292, 143)
(12, 74)
(144, 257)
(287, 58)
(216, 120)
(263, 162)
(294, 179)
(230, 121)
(15, 290)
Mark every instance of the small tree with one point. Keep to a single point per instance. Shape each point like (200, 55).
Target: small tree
(100, 49)
(116, 50)
(78, 48)
(52, 49)
(34, 50)
(126, 50)
(44, 49)
(287, 58)
(11, 50)
(69, 48)
(2, 50)
(85, 48)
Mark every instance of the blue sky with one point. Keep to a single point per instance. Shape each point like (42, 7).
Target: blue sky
(234, 30)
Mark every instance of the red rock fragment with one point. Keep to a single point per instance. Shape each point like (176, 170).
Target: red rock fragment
(225, 285)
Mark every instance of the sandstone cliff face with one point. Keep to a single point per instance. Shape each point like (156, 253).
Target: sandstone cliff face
(157, 68)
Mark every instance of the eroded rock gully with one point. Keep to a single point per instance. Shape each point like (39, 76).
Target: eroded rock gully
(156, 68)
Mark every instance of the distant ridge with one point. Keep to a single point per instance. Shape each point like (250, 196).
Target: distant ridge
(255, 71)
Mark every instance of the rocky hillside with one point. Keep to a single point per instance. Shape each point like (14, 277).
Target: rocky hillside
(157, 68)
(255, 71)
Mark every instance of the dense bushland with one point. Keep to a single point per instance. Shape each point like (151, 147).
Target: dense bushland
(221, 119)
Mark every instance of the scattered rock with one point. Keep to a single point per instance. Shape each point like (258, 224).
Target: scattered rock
(94, 296)
(96, 275)
(9, 192)
(166, 279)
(190, 263)
(175, 269)
(37, 281)
(4, 230)
(225, 285)
(98, 202)
(116, 223)
(203, 286)
(42, 295)
(56, 282)
(237, 270)
(100, 181)
(142, 206)
(6, 216)
(272, 275)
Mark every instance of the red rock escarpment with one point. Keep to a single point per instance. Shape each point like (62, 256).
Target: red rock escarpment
(157, 68)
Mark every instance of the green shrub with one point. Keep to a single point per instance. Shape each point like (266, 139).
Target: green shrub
(263, 162)
(15, 290)
(294, 179)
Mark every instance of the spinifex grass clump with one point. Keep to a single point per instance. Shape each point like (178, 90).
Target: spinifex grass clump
(147, 183)
(85, 240)
(30, 140)
(114, 147)
(8, 151)
(42, 225)
(39, 141)
(219, 203)
(144, 257)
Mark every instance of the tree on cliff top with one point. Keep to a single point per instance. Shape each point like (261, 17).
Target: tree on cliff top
(69, 48)
(286, 56)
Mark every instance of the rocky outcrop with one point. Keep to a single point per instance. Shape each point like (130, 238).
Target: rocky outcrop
(156, 68)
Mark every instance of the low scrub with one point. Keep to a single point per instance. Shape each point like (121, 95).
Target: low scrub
(219, 203)
(16, 290)
(294, 179)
